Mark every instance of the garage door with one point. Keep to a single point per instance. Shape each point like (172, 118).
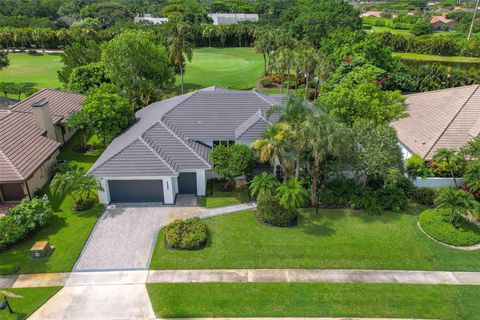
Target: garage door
(136, 190)
(187, 183)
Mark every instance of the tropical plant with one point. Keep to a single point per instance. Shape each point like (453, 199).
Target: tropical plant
(457, 201)
(232, 161)
(417, 167)
(273, 145)
(4, 62)
(271, 212)
(263, 186)
(450, 158)
(471, 176)
(291, 194)
(180, 47)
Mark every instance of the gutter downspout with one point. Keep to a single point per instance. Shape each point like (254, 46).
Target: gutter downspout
(28, 190)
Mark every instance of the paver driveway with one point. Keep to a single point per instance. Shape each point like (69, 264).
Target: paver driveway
(124, 236)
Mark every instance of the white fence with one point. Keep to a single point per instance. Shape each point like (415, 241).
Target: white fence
(435, 182)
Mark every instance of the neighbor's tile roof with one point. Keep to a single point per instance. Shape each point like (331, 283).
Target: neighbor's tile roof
(23, 145)
(174, 129)
(61, 103)
(440, 119)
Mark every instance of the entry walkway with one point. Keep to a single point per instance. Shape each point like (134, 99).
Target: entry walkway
(99, 278)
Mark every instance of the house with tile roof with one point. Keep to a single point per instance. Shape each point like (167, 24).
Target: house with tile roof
(31, 132)
(441, 23)
(447, 118)
(167, 151)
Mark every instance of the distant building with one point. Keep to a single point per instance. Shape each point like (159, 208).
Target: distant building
(441, 22)
(376, 14)
(148, 17)
(232, 18)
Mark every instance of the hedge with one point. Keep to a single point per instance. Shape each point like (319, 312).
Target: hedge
(436, 223)
(189, 234)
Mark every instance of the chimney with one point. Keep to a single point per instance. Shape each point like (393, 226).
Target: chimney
(43, 117)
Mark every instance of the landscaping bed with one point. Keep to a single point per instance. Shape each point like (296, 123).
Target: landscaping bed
(33, 298)
(336, 238)
(189, 300)
(436, 223)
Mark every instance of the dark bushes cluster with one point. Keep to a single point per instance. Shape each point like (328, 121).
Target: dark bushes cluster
(189, 234)
(20, 221)
(271, 212)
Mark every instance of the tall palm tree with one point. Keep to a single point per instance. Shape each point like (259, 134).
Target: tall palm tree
(326, 138)
(179, 47)
(294, 113)
(273, 145)
(291, 194)
(263, 44)
(450, 157)
(263, 186)
(308, 60)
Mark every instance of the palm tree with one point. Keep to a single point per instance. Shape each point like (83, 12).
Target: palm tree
(326, 138)
(308, 60)
(63, 183)
(291, 194)
(179, 47)
(457, 201)
(263, 186)
(207, 32)
(295, 112)
(264, 44)
(273, 144)
(450, 157)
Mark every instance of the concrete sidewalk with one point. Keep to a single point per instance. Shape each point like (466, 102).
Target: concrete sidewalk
(100, 278)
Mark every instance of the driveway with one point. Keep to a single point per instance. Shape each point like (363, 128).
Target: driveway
(124, 235)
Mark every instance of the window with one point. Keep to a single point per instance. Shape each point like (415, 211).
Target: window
(223, 142)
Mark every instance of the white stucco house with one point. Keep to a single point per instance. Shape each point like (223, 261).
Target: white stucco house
(167, 151)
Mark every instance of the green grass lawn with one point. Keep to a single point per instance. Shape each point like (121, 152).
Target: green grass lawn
(190, 300)
(391, 30)
(40, 69)
(236, 68)
(219, 199)
(33, 298)
(67, 230)
(430, 57)
(339, 238)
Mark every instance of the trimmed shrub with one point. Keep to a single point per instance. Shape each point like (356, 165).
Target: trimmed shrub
(424, 196)
(436, 223)
(189, 234)
(270, 212)
(265, 82)
(20, 221)
(289, 84)
(392, 199)
(367, 200)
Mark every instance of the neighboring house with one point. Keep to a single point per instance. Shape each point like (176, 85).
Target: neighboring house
(375, 14)
(149, 18)
(167, 151)
(446, 118)
(232, 18)
(31, 131)
(441, 23)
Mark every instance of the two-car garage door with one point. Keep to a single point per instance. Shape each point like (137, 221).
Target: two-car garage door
(136, 190)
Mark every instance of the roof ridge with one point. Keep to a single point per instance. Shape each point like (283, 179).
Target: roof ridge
(441, 90)
(451, 121)
(157, 154)
(11, 164)
(173, 108)
(264, 98)
(183, 142)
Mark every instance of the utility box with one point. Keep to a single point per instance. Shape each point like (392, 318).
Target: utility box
(41, 249)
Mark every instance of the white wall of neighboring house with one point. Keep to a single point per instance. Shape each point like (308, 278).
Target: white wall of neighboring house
(436, 182)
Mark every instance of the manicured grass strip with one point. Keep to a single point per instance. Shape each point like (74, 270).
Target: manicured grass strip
(33, 298)
(314, 299)
(219, 199)
(391, 30)
(40, 69)
(67, 230)
(436, 223)
(333, 239)
(429, 57)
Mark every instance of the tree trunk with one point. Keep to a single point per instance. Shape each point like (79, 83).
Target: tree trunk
(297, 163)
(181, 75)
(313, 195)
(453, 176)
(306, 87)
(264, 63)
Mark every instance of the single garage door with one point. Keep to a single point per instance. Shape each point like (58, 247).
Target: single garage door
(187, 183)
(136, 190)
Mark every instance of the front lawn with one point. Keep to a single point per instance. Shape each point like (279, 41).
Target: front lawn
(219, 199)
(434, 58)
(33, 298)
(190, 300)
(340, 238)
(67, 230)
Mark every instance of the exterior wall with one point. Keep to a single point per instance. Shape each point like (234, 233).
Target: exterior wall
(435, 182)
(41, 176)
(62, 138)
(405, 151)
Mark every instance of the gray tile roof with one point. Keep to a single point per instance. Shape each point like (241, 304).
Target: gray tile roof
(440, 119)
(174, 129)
